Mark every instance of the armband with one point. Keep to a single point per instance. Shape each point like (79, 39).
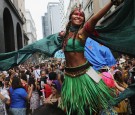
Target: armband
(87, 27)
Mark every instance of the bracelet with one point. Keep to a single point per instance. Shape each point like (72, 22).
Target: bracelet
(5, 100)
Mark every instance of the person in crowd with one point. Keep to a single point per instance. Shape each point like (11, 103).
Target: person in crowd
(11, 76)
(28, 74)
(81, 90)
(32, 68)
(22, 70)
(122, 107)
(35, 99)
(52, 75)
(49, 70)
(49, 109)
(4, 98)
(37, 72)
(43, 78)
(41, 83)
(24, 82)
(17, 71)
(47, 90)
(6, 83)
(5, 73)
(60, 68)
(57, 69)
(19, 97)
(126, 74)
(54, 98)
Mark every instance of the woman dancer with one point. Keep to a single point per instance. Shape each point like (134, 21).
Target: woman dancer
(80, 91)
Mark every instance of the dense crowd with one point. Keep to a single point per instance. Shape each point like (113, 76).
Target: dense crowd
(28, 89)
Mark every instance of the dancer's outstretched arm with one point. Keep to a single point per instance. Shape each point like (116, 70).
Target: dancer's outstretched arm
(91, 23)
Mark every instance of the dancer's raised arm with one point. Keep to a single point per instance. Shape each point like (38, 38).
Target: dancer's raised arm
(91, 23)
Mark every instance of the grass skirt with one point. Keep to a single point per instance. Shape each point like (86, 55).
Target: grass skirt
(82, 92)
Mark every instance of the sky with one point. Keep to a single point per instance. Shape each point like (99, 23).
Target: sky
(37, 9)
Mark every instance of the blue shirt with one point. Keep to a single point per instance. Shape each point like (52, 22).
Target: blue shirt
(18, 98)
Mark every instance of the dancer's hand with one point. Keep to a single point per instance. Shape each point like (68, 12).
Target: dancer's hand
(62, 34)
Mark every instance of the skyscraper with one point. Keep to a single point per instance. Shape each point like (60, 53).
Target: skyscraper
(51, 21)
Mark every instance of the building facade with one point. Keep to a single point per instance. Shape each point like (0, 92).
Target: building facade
(93, 6)
(51, 21)
(30, 28)
(63, 5)
(45, 25)
(30, 31)
(11, 24)
(90, 7)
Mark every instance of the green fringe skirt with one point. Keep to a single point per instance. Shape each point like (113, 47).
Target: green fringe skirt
(82, 92)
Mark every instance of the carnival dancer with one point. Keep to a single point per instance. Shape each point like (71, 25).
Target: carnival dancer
(83, 88)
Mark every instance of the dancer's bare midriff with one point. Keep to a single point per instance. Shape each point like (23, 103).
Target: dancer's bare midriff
(74, 59)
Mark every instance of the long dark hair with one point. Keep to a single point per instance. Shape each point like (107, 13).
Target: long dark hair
(118, 76)
(68, 28)
(32, 81)
(16, 83)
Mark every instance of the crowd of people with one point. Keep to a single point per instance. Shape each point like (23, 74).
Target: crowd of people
(28, 89)
(25, 88)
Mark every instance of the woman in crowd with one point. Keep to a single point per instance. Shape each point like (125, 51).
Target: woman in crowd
(24, 81)
(81, 91)
(54, 98)
(4, 98)
(19, 97)
(122, 107)
(35, 99)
